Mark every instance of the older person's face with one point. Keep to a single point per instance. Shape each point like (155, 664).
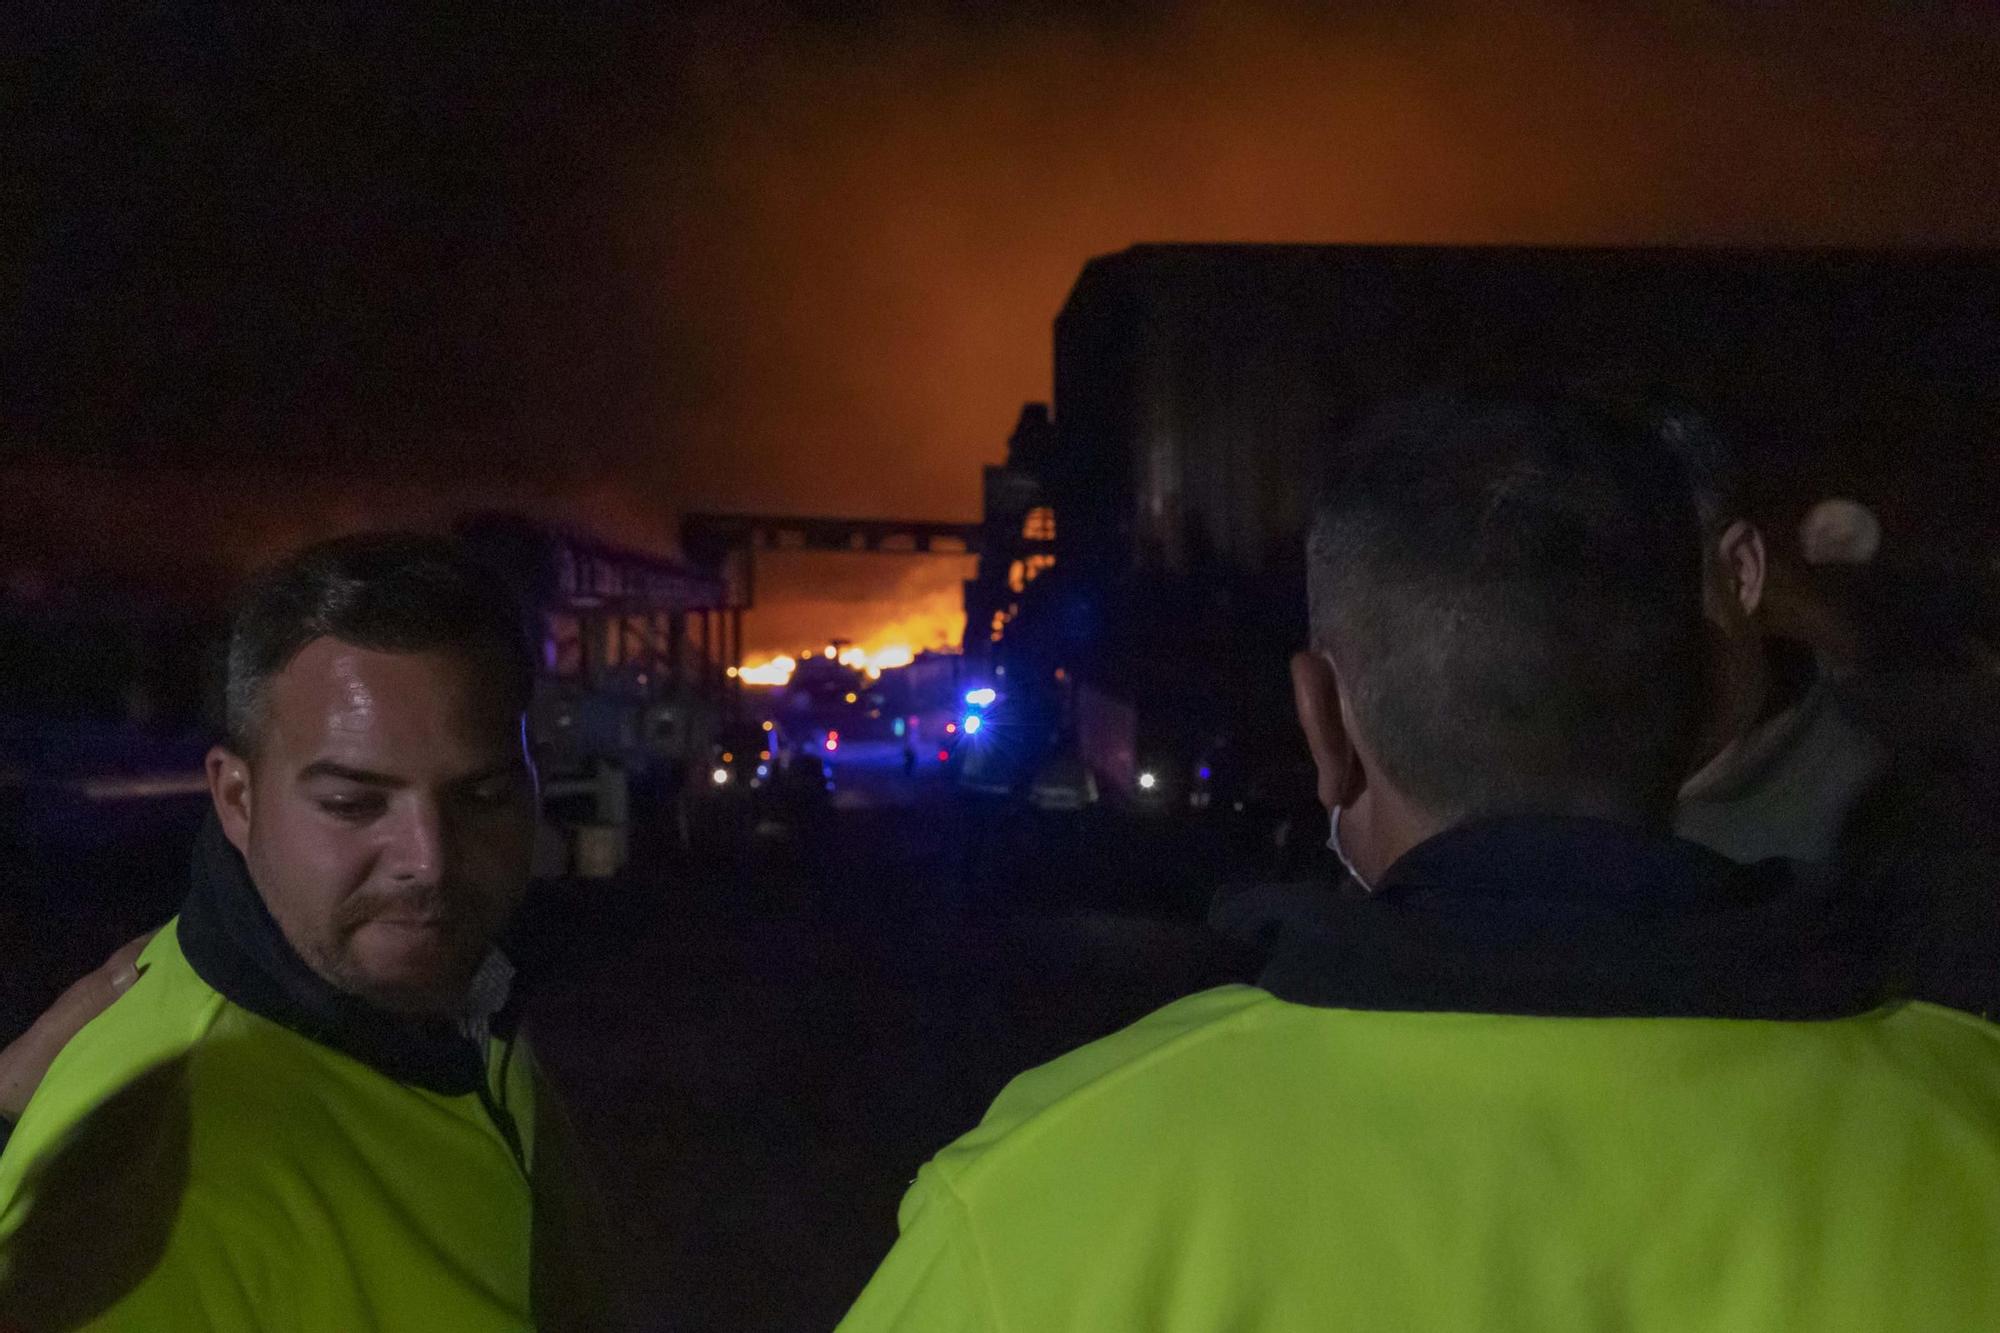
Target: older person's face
(387, 817)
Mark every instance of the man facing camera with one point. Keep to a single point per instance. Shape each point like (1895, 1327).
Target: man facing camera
(312, 1110)
(1557, 1068)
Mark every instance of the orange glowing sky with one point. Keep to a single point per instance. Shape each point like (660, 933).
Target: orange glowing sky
(887, 226)
(821, 255)
(878, 233)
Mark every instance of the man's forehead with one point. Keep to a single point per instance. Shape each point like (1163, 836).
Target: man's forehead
(333, 692)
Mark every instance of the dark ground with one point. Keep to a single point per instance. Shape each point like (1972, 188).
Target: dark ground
(761, 1048)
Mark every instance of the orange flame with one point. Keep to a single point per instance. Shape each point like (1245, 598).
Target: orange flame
(872, 662)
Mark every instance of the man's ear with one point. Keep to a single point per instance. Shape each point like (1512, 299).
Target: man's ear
(229, 789)
(1316, 695)
(1740, 550)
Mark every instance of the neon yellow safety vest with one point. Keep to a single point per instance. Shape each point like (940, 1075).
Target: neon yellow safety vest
(1238, 1162)
(188, 1164)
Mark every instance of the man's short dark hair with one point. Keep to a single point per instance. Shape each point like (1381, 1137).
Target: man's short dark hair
(396, 592)
(1510, 588)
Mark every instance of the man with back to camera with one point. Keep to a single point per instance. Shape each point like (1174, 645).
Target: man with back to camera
(1790, 765)
(311, 1109)
(1558, 1069)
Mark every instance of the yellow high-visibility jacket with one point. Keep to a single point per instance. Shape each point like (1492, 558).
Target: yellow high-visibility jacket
(1547, 1079)
(190, 1164)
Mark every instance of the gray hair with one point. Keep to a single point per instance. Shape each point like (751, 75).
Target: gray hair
(1510, 587)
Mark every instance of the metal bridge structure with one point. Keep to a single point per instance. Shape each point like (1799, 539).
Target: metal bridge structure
(727, 544)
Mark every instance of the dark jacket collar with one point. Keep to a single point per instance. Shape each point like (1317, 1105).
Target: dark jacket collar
(234, 944)
(1582, 918)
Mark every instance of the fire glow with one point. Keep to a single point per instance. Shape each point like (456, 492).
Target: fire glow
(776, 672)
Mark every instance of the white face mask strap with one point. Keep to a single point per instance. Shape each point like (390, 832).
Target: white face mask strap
(1333, 845)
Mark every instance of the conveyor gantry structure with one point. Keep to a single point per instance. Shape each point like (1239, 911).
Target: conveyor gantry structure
(727, 543)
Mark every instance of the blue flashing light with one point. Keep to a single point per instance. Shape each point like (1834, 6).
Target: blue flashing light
(1204, 773)
(982, 697)
(972, 724)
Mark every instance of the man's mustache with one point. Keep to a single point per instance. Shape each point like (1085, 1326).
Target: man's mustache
(440, 903)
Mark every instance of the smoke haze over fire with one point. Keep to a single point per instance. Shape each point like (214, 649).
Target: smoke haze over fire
(916, 603)
(805, 258)
(887, 223)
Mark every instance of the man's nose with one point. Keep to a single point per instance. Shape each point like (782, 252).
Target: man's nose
(420, 844)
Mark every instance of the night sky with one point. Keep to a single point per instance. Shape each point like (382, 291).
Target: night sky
(281, 272)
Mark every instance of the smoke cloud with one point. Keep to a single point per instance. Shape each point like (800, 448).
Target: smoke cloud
(806, 259)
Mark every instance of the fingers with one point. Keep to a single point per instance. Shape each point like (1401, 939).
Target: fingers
(122, 968)
(27, 1059)
(93, 992)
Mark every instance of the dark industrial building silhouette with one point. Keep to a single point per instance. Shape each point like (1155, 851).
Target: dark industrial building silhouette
(1140, 546)
(1193, 383)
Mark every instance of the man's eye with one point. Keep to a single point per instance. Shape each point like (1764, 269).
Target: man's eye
(351, 807)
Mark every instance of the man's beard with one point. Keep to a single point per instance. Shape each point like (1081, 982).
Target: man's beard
(465, 936)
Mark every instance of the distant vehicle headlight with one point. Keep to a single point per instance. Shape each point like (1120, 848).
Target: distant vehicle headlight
(972, 724)
(720, 777)
(1148, 781)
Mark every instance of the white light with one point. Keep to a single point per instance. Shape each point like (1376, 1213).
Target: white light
(972, 723)
(721, 777)
(776, 672)
(981, 698)
(1147, 782)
